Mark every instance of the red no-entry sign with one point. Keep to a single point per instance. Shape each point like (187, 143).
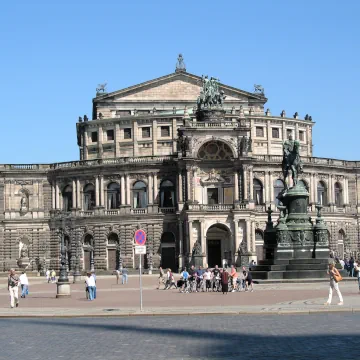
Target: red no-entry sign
(140, 237)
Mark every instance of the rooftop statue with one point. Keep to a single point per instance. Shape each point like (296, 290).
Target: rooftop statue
(291, 160)
(101, 88)
(259, 89)
(180, 65)
(210, 94)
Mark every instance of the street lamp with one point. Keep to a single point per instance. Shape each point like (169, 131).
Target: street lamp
(77, 273)
(63, 285)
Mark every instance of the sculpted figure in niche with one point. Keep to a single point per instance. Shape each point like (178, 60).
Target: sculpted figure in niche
(23, 203)
(24, 252)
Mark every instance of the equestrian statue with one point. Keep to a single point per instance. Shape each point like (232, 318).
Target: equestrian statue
(291, 160)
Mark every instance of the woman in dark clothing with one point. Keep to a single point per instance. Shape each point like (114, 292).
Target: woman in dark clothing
(224, 281)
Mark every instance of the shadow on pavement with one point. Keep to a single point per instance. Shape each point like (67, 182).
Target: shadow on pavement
(234, 338)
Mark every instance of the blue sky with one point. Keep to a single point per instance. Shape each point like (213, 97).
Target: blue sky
(54, 53)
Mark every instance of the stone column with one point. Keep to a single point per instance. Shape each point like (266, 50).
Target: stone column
(251, 181)
(194, 184)
(117, 140)
(266, 188)
(188, 184)
(308, 141)
(100, 142)
(97, 197)
(181, 245)
(268, 130)
(174, 135)
(253, 246)
(122, 187)
(102, 192)
(346, 191)
(52, 193)
(128, 202)
(236, 240)
(154, 137)
(296, 131)
(271, 188)
(203, 236)
(180, 188)
(248, 235)
(85, 149)
(57, 196)
(245, 184)
(330, 190)
(135, 137)
(150, 190)
(78, 198)
(155, 187)
(73, 194)
(191, 236)
(284, 130)
(236, 186)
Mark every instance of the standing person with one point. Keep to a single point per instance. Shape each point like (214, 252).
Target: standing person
(90, 283)
(13, 287)
(335, 277)
(24, 282)
(216, 273)
(248, 280)
(342, 263)
(185, 277)
(207, 279)
(224, 281)
(161, 277)
(117, 274)
(357, 268)
(125, 273)
(351, 267)
(53, 276)
(168, 279)
(94, 276)
(199, 277)
(47, 274)
(233, 277)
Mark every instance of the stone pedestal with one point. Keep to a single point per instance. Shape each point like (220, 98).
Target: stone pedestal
(197, 260)
(63, 290)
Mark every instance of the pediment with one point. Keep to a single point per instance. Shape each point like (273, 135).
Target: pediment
(181, 86)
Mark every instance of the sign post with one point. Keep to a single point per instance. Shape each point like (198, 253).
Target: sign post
(140, 248)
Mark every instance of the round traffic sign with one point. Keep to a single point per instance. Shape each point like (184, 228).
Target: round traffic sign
(140, 237)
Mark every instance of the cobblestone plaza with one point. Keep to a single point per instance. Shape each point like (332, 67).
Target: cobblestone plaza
(146, 161)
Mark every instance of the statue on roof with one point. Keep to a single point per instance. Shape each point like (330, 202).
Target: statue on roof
(101, 88)
(291, 160)
(210, 95)
(258, 89)
(180, 65)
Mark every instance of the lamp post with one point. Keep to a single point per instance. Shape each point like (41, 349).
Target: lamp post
(77, 273)
(63, 285)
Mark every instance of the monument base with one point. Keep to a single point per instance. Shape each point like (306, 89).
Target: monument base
(63, 290)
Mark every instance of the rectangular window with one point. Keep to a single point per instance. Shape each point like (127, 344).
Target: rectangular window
(301, 136)
(213, 196)
(145, 132)
(275, 133)
(165, 131)
(259, 131)
(110, 135)
(288, 133)
(127, 133)
(94, 136)
(228, 195)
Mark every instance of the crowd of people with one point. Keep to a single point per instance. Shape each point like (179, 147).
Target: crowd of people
(205, 280)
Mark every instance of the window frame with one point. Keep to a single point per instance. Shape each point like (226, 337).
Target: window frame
(143, 129)
(92, 136)
(107, 135)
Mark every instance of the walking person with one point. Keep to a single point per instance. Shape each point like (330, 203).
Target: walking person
(233, 277)
(357, 268)
(53, 276)
(90, 284)
(207, 279)
(125, 274)
(47, 274)
(224, 281)
(24, 282)
(335, 277)
(161, 277)
(13, 287)
(117, 274)
(94, 276)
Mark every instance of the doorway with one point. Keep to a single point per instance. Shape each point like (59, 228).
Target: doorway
(112, 259)
(87, 265)
(168, 258)
(214, 253)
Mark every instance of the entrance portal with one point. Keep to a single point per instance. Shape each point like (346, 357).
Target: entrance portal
(218, 245)
(214, 253)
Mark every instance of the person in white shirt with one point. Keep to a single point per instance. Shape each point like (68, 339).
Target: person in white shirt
(357, 268)
(47, 274)
(90, 284)
(24, 282)
(207, 279)
(342, 262)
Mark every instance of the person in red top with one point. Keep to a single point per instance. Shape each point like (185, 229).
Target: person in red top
(224, 281)
(233, 276)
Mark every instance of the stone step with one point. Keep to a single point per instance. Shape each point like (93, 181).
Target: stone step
(308, 261)
(305, 274)
(322, 267)
(273, 262)
(268, 268)
(267, 275)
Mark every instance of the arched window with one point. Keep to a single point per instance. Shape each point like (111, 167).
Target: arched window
(258, 192)
(338, 194)
(167, 194)
(67, 198)
(321, 193)
(278, 188)
(340, 243)
(89, 197)
(139, 195)
(113, 239)
(113, 196)
(303, 184)
(88, 240)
